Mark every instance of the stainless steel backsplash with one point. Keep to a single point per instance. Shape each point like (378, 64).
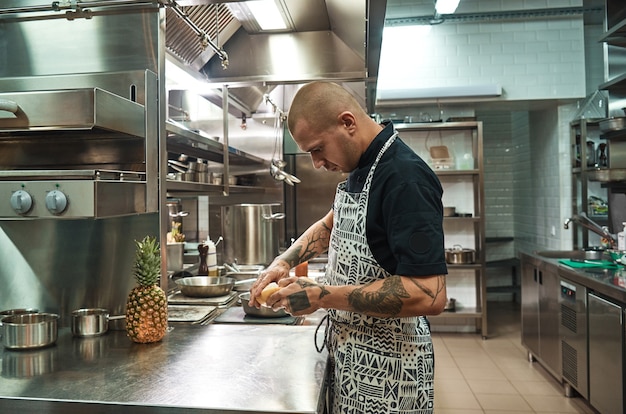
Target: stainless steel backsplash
(61, 265)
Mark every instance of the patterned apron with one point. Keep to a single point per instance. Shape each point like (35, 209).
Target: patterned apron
(380, 365)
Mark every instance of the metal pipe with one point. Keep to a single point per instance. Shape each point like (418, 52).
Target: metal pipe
(591, 225)
(75, 5)
(492, 16)
(226, 174)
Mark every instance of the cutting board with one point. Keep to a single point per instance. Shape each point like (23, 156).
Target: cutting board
(236, 314)
(180, 299)
(186, 313)
(604, 264)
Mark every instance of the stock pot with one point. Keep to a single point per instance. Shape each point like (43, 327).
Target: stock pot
(29, 330)
(251, 233)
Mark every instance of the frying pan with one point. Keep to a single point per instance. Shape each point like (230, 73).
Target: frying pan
(208, 286)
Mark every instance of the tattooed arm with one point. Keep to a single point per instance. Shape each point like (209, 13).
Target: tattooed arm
(395, 296)
(313, 242)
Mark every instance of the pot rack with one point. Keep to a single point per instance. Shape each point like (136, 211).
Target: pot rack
(78, 9)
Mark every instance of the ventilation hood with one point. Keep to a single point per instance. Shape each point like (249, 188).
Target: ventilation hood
(336, 40)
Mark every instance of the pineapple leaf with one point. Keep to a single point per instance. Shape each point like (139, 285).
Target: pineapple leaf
(147, 267)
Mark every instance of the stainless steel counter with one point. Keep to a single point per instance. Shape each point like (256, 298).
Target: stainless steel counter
(609, 282)
(195, 369)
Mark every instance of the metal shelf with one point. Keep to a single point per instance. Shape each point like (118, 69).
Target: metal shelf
(183, 140)
(617, 35)
(456, 172)
(473, 177)
(174, 187)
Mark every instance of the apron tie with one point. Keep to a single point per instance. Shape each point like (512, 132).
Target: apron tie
(325, 343)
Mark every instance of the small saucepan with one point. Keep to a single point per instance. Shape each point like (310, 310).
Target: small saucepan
(458, 255)
(90, 322)
(449, 211)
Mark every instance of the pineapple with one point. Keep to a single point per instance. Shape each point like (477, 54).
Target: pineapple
(146, 307)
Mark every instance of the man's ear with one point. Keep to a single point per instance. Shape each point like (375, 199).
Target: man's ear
(347, 120)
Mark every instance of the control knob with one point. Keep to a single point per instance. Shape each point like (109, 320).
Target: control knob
(21, 201)
(56, 202)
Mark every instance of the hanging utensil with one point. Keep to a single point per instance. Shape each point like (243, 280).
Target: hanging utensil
(277, 165)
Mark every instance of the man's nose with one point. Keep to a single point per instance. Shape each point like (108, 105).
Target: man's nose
(318, 162)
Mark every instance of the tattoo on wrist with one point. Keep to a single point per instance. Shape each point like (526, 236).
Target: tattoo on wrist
(385, 301)
(304, 283)
(298, 301)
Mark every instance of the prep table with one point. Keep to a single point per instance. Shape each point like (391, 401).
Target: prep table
(608, 281)
(195, 369)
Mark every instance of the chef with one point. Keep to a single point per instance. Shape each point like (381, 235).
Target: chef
(386, 258)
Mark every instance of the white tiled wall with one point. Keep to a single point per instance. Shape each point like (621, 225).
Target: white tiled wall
(531, 59)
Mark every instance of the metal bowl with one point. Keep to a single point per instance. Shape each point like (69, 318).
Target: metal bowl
(612, 124)
(263, 312)
(31, 330)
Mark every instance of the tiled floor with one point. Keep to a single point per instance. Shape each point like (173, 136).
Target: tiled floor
(494, 376)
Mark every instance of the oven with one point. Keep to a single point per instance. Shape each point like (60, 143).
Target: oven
(78, 152)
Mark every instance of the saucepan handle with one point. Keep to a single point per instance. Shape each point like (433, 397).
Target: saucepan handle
(274, 216)
(9, 106)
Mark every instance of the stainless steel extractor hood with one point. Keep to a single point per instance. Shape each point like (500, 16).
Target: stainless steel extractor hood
(335, 40)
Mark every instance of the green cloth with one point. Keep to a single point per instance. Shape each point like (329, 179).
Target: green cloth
(605, 264)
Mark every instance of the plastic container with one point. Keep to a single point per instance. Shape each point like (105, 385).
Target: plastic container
(211, 259)
(621, 238)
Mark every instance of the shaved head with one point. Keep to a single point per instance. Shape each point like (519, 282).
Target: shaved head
(320, 103)
(326, 121)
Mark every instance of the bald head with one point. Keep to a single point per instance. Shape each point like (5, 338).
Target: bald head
(320, 103)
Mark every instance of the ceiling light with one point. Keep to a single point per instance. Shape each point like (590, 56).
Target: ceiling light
(267, 14)
(446, 6)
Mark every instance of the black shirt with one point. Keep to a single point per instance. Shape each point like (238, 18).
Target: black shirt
(404, 213)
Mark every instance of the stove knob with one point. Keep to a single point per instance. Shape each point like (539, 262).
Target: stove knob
(56, 202)
(21, 201)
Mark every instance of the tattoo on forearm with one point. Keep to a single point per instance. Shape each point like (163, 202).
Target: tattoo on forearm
(303, 283)
(308, 248)
(440, 287)
(385, 301)
(298, 301)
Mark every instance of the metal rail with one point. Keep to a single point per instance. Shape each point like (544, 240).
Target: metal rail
(75, 5)
(78, 8)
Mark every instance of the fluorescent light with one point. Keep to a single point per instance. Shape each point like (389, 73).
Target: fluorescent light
(446, 6)
(438, 92)
(267, 14)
